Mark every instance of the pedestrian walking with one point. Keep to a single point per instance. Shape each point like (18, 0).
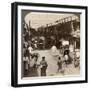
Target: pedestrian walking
(43, 65)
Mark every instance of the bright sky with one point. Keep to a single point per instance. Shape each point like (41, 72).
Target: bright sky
(38, 19)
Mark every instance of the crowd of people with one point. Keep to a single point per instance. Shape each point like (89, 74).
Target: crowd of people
(31, 67)
(30, 59)
(32, 63)
(43, 39)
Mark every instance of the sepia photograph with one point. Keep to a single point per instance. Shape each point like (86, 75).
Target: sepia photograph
(50, 44)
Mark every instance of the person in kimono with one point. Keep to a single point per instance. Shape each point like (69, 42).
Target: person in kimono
(44, 66)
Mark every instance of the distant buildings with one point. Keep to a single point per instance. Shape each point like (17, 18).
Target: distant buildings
(67, 28)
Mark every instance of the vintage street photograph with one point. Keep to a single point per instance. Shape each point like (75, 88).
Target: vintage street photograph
(50, 44)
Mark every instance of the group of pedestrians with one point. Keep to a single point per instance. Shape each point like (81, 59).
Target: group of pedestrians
(65, 61)
(32, 66)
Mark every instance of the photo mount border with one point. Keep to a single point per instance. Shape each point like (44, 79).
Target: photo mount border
(14, 43)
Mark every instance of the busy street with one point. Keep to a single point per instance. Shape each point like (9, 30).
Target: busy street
(52, 69)
(51, 49)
